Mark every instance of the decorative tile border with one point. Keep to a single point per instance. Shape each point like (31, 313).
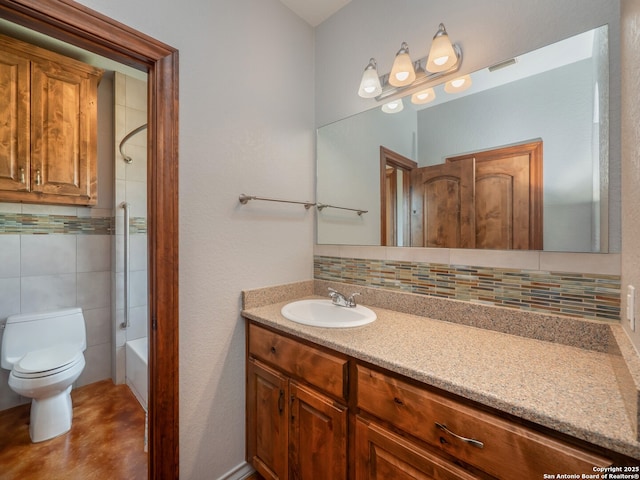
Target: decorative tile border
(25, 224)
(574, 294)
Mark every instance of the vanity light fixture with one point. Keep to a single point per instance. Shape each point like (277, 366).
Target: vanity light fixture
(370, 85)
(423, 96)
(444, 59)
(441, 55)
(402, 71)
(394, 106)
(458, 85)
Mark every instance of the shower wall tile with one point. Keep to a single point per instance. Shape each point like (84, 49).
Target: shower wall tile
(98, 325)
(47, 292)
(138, 292)
(136, 171)
(136, 196)
(138, 252)
(136, 94)
(9, 256)
(94, 253)
(9, 297)
(138, 323)
(47, 254)
(94, 289)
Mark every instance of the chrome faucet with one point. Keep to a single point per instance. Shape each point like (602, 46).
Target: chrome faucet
(339, 299)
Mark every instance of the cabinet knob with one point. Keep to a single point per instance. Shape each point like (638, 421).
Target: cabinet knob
(273, 349)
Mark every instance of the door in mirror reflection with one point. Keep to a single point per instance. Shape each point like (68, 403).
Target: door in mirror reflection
(490, 199)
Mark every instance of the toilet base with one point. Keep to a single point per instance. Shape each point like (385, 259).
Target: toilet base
(51, 416)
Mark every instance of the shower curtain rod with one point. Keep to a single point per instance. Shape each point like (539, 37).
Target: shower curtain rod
(127, 158)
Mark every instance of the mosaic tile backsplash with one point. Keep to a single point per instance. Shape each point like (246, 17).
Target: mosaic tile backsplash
(579, 295)
(25, 224)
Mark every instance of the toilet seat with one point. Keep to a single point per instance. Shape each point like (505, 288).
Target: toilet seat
(48, 361)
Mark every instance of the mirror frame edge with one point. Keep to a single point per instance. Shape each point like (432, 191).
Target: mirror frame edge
(74, 23)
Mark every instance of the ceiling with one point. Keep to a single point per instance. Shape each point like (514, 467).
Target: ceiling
(314, 12)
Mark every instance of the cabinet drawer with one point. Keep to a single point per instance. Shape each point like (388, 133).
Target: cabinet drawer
(499, 447)
(321, 369)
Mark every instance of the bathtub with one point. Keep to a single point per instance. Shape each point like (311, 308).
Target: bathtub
(136, 356)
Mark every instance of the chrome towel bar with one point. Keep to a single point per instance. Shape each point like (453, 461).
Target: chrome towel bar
(244, 199)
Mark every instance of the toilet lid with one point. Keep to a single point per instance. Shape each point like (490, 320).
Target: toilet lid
(45, 361)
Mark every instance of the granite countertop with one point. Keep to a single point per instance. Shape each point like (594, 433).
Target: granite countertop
(566, 388)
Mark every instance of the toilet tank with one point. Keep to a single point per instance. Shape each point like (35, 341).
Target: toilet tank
(34, 331)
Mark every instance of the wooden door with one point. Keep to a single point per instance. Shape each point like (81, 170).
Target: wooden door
(64, 135)
(14, 118)
(318, 436)
(395, 198)
(508, 197)
(267, 414)
(442, 205)
(383, 455)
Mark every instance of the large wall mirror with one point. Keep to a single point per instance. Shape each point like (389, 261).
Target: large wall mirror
(520, 160)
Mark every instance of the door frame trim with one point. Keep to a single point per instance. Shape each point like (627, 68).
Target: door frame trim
(76, 24)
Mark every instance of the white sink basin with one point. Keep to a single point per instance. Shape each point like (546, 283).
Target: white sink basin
(323, 313)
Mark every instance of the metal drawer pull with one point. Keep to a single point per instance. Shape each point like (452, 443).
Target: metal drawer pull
(470, 441)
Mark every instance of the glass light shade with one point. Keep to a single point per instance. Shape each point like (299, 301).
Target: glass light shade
(370, 85)
(424, 96)
(393, 106)
(457, 85)
(442, 56)
(402, 71)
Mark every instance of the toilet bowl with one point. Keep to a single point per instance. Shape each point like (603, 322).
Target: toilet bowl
(44, 354)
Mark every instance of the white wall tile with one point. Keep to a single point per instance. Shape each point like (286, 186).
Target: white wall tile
(33, 208)
(136, 171)
(98, 364)
(138, 288)
(138, 252)
(10, 207)
(136, 93)
(598, 263)
(98, 325)
(120, 365)
(9, 256)
(137, 198)
(9, 297)
(137, 322)
(47, 292)
(526, 260)
(94, 253)
(47, 254)
(9, 398)
(94, 290)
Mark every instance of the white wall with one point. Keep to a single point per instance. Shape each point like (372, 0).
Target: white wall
(246, 125)
(488, 32)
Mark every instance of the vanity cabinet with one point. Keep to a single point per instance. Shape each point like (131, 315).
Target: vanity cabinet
(299, 426)
(501, 448)
(296, 409)
(48, 126)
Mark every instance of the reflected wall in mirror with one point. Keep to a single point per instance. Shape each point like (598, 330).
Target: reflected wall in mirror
(556, 96)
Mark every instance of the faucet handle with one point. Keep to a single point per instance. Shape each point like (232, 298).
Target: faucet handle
(351, 301)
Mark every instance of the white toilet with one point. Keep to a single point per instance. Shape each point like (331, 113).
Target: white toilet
(44, 353)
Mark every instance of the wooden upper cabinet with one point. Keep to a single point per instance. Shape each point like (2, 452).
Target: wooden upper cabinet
(48, 130)
(15, 159)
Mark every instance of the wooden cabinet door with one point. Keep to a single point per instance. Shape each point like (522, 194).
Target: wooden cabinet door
(442, 205)
(267, 414)
(14, 118)
(318, 436)
(383, 455)
(508, 196)
(63, 131)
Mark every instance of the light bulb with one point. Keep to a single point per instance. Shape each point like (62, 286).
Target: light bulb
(459, 84)
(393, 106)
(424, 96)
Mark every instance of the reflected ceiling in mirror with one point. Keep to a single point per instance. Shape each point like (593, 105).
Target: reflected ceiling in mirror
(556, 96)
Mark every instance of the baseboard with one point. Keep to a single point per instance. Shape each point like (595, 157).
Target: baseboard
(241, 472)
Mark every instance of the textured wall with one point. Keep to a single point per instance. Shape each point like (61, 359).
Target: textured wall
(246, 125)
(631, 158)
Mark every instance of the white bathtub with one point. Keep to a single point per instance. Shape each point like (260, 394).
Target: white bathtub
(136, 355)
